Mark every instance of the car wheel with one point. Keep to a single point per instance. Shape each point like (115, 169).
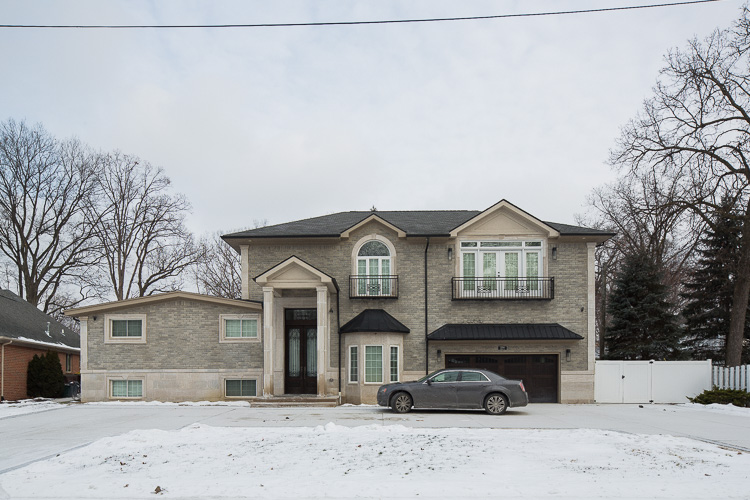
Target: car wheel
(496, 404)
(401, 403)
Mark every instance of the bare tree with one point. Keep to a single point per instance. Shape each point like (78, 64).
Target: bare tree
(145, 244)
(218, 272)
(695, 133)
(46, 189)
(639, 210)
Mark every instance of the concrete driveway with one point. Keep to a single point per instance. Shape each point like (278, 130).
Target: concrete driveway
(32, 437)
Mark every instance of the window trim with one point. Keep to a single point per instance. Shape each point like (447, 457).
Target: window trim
(68, 363)
(349, 365)
(240, 378)
(110, 387)
(370, 237)
(382, 365)
(223, 339)
(398, 364)
(109, 339)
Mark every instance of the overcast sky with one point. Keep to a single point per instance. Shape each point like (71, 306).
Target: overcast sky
(289, 123)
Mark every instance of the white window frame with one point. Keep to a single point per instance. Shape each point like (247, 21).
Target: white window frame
(233, 340)
(109, 339)
(375, 281)
(240, 378)
(521, 247)
(349, 366)
(398, 363)
(68, 363)
(382, 364)
(126, 380)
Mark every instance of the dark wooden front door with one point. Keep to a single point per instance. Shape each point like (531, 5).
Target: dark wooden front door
(539, 372)
(301, 348)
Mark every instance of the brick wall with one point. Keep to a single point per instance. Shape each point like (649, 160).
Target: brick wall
(180, 334)
(334, 257)
(16, 363)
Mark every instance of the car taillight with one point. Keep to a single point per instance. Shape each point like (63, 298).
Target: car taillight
(522, 387)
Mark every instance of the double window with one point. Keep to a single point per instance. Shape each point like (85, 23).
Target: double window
(239, 327)
(125, 389)
(125, 328)
(500, 268)
(240, 388)
(374, 268)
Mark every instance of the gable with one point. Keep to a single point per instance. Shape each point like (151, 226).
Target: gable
(295, 273)
(505, 219)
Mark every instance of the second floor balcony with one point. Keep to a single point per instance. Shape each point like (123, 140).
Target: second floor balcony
(376, 286)
(490, 288)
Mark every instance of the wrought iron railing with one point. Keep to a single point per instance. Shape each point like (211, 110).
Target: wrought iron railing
(373, 286)
(503, 288)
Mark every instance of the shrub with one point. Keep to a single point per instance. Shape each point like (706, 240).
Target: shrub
(723, 396)
(44, 376)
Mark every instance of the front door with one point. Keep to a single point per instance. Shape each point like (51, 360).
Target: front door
(301, 348)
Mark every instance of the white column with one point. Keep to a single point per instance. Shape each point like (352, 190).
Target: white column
(591, 306)
(322, 338)
(84, 335)
(269, 338)
(245, 270)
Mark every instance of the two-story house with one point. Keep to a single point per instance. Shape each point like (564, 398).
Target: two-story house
(339, 304)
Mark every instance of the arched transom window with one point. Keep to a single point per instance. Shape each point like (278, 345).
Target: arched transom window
(374, 269)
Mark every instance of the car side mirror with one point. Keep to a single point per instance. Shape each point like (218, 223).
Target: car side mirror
(429, 381)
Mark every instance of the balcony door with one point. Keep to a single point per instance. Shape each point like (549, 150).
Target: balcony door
(508, 268)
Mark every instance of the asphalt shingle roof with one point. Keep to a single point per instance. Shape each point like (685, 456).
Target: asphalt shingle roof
(21, 320)
(414, 223)
(507, 331)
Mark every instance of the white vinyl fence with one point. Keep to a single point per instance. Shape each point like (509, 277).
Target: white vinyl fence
(650, 381)
(735, 377)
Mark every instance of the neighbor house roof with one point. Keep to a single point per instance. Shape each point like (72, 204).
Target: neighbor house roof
(412, 223)
(507, 331)
(23, 322)
(374, 320)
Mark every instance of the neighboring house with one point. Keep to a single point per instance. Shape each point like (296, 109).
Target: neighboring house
(335, 306)
(24, 332)
(175, 346)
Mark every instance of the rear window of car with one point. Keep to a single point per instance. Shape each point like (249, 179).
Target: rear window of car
(473, 377)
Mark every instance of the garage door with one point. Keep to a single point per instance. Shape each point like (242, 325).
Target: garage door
(539, 372)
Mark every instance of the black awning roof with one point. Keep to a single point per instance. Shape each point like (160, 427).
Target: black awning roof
(374, 320)
(506, 331)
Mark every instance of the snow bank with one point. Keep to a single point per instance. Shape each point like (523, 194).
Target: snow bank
(245, 404)
(15, 408)
(715, 407)
(333, 461)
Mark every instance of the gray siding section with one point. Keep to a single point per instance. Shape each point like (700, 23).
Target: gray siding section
(180, 334)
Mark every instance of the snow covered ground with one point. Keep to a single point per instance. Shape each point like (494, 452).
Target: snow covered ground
(394, 461)
(15, 408)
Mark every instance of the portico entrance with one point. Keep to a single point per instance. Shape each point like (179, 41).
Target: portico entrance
(301, 348)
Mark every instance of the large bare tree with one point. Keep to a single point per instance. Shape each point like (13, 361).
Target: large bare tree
(146, 246)
(218, 272)
(695, 134)
(46, 192)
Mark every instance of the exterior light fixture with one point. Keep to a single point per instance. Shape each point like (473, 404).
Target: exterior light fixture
(567, 354)
(450, 253)
(554, 253)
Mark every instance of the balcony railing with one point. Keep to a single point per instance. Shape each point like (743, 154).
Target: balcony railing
(503, 288)
(373, 287)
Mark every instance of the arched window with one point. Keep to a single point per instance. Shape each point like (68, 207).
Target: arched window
(374, 269)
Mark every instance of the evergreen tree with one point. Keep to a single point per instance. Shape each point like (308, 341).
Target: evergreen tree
(44, 376)
(709, 289)
(642, 324)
